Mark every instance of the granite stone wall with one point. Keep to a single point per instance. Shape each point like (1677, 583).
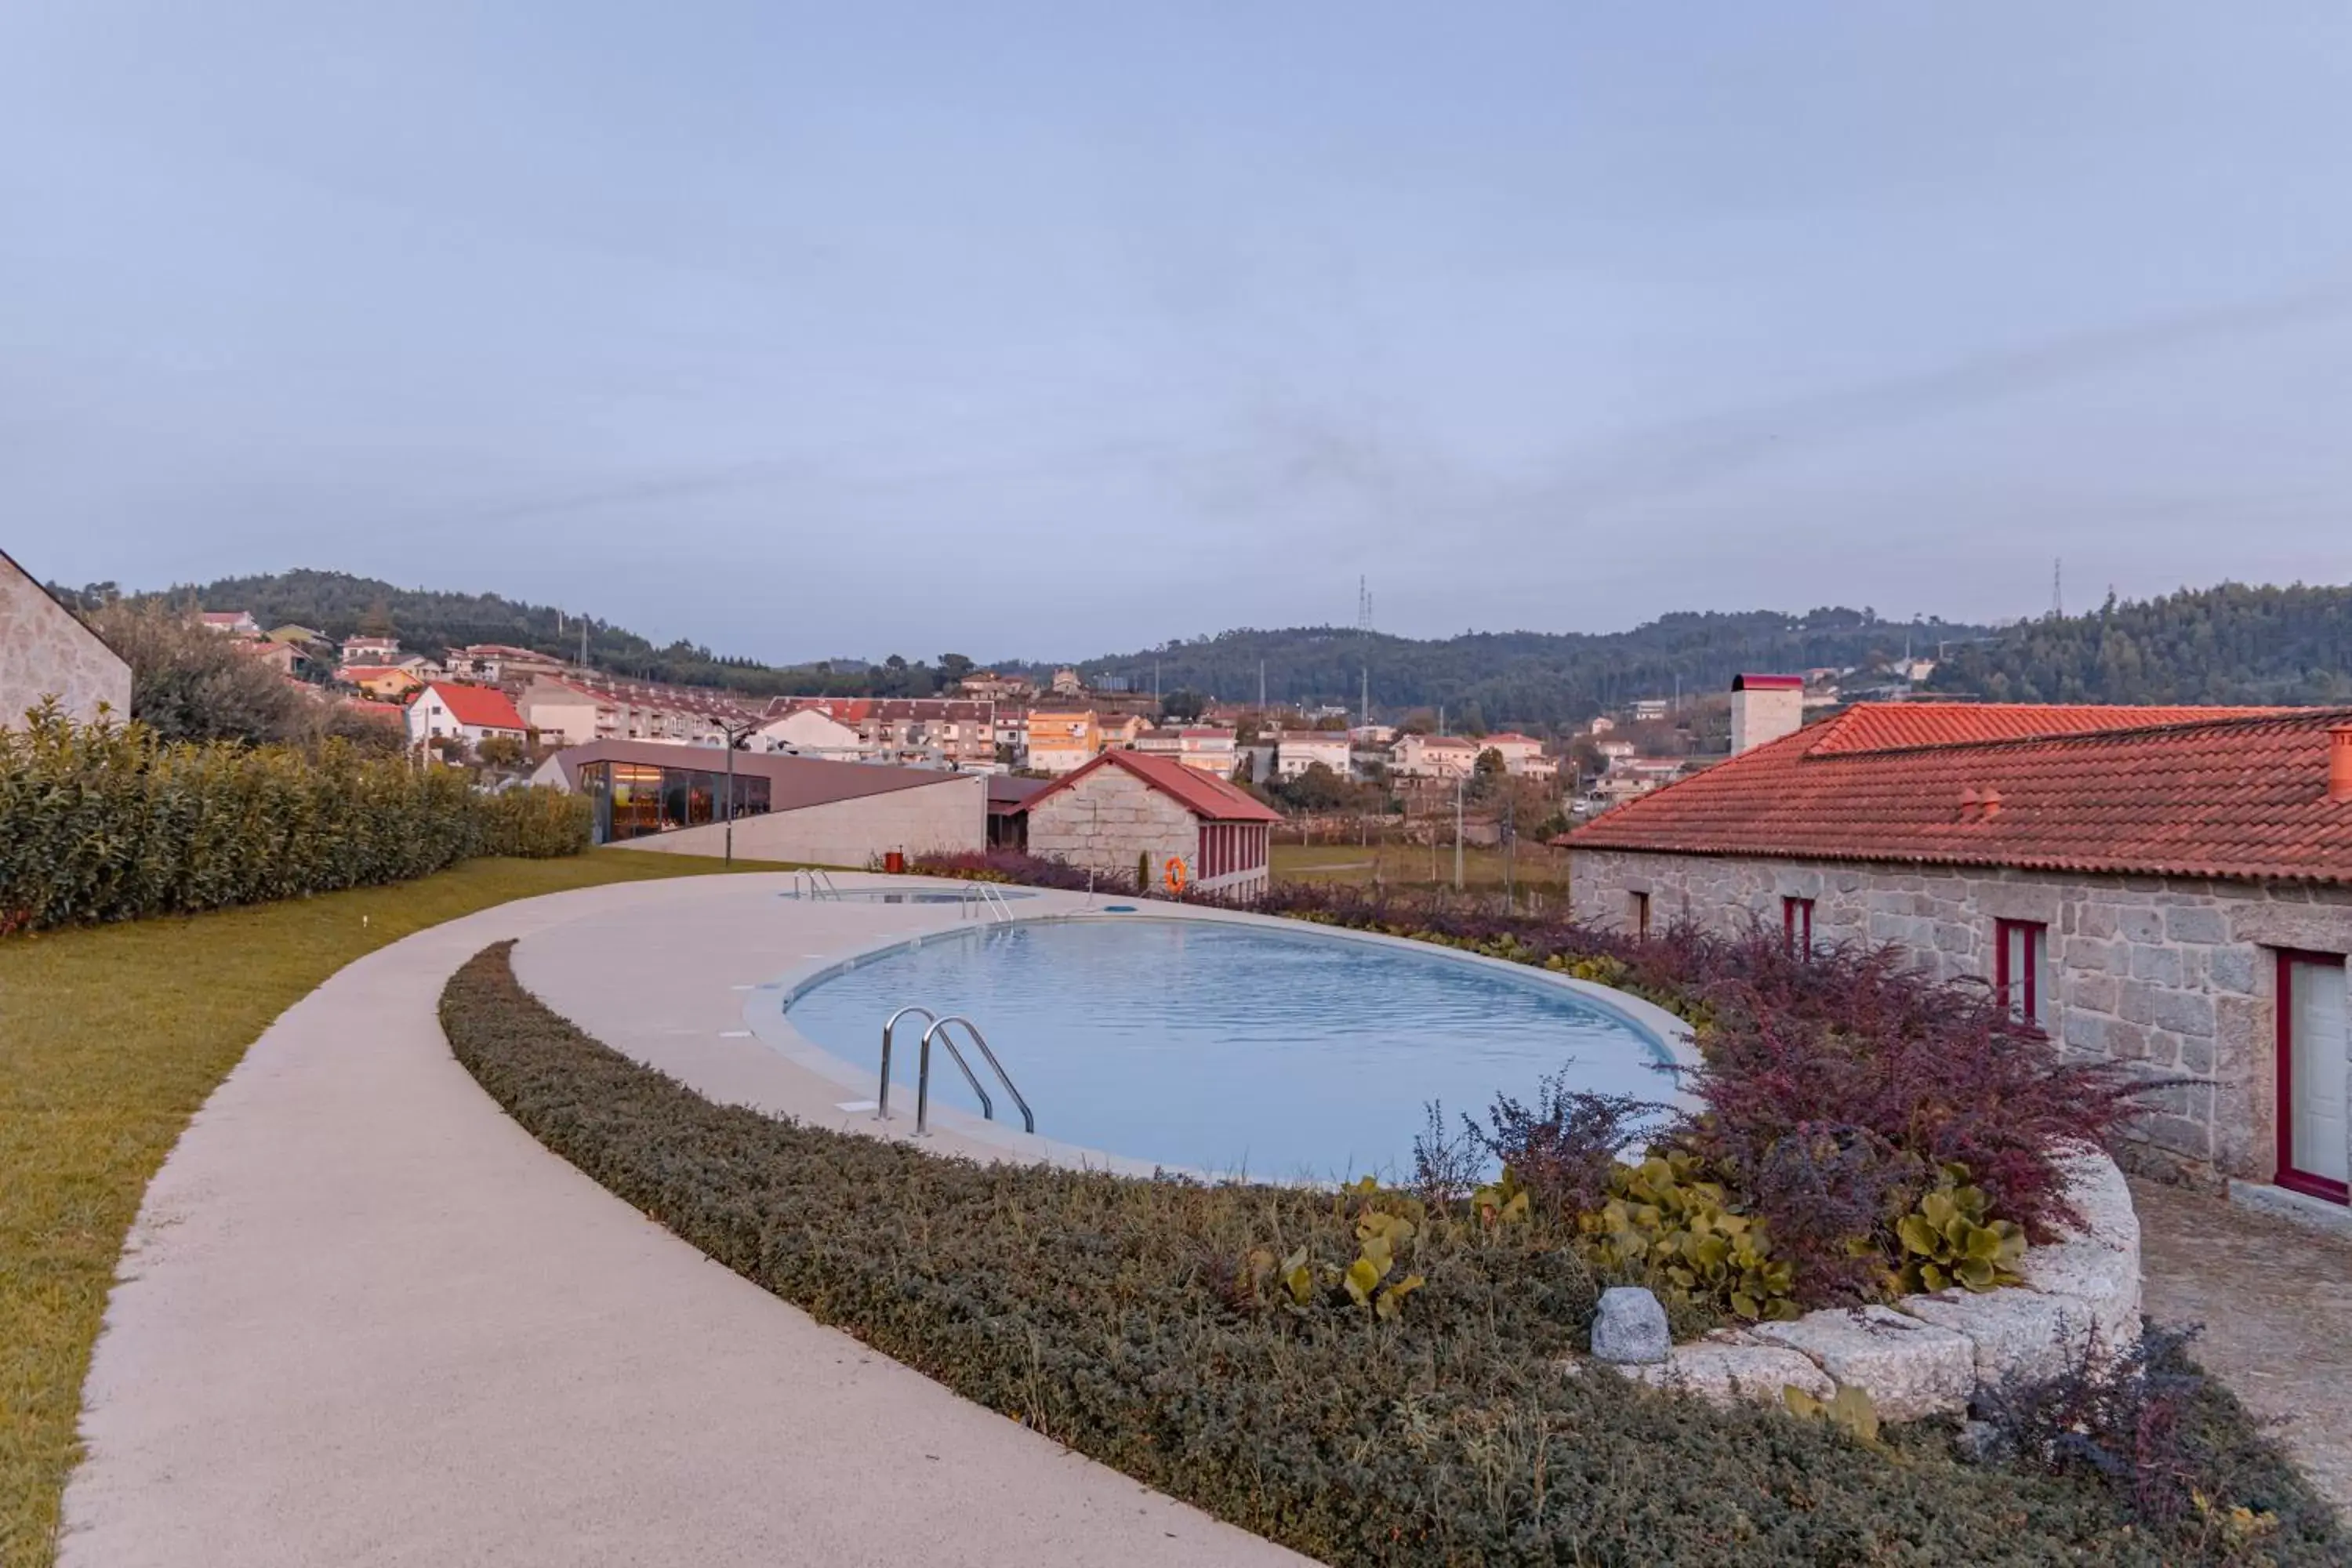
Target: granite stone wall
(46, 652)
(1107, 819)
(2175, 976)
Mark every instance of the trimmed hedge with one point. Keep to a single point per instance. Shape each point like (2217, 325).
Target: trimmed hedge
(105, 822)
(1117, 1316)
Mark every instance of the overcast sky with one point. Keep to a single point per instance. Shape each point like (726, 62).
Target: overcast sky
(1041, 329)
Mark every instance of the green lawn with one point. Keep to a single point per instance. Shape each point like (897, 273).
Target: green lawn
(111, 1038)
(1537, 869)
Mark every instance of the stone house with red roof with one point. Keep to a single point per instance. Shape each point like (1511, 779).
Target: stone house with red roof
(2165, 887)
(1126, 806)
(46, 652)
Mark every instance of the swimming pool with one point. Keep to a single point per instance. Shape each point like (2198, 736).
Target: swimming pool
(1232, 1048)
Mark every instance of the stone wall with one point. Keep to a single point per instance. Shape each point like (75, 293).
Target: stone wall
(46, 652)
(2176, 977)
(1107, 819)
(948, 817)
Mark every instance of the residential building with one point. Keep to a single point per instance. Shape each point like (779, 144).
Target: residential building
(385, 682)
(1011, 726)
(371, 650)
(1299, 750)
(1648, 709)
(300, 636)
(1522, 754)
(922, 732)
(284, 657)
(987, 686)
(1370, 735)
(46, 651)
(500, 663)
(2166, 887)
(1067, 683)
(655, 710)
(1128, 807)
(1615, 752)
(648, 795)
(1119, 729)
(230, 623)
(812, 732)
(1165, 740)
(1207, 749)
(450, 710)
(1432, 757)
(1060, 742)
(1600, 725)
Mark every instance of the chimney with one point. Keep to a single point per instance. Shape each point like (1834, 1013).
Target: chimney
(2339, 765)
(1764, 709)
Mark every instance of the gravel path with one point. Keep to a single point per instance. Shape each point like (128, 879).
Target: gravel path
(2276, 1303)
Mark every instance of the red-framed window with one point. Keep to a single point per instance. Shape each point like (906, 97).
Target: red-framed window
(1797, 924)
(2313, 1039)
(2021, 970)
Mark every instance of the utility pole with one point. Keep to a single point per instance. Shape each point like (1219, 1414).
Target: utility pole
(1261, 686)
(734, 733)
(1459, 781)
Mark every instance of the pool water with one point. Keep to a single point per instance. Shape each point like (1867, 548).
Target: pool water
(1230, 1049)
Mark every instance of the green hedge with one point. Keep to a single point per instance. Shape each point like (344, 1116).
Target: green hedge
(104, 822)
(1116, 1315)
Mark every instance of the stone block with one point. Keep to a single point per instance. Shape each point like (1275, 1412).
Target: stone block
(2098, 919)
(2160, 965)
(1910, 1368)
(2098, 1263)
(1725, 1368)
(2012, 1333)
(2231, 969)
(2099, 993)
(2138, 924)
(2196, 922)
(2086, 1031)
(2184, 1013)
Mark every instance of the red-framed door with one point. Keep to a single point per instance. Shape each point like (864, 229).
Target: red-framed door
(2314, 1041)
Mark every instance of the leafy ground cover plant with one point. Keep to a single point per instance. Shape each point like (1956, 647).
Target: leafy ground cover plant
(1138, 1322)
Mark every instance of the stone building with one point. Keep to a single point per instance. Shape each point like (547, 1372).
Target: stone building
(1126, 807)
(2169, 887)
(46, 651)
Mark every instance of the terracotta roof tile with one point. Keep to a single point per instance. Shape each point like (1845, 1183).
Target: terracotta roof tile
(484, 706)
(2231, 793)
(1203, 795)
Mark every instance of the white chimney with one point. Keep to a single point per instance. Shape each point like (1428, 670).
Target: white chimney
(1764, 709)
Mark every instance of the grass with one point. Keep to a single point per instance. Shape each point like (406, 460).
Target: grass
(1538, 869)
(111, 1038)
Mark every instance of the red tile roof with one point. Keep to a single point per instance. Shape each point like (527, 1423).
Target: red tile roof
(483, 706)
(2227, 793)
(1203, 795)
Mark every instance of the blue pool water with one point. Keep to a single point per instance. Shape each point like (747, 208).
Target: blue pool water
(1230, 1049)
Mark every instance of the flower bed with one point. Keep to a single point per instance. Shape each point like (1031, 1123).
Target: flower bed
(1364, 1375)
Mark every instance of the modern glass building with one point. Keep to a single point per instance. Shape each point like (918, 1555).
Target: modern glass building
(633, 799)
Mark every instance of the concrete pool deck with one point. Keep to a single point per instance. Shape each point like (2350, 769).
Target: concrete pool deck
(364, 1318)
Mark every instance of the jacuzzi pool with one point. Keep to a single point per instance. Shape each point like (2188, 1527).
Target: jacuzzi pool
(1231, 1048)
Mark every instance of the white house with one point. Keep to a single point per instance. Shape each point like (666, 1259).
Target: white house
(811, 732)
(1432, 756)
(470, 713)
(1301, 750)
(1206, 751)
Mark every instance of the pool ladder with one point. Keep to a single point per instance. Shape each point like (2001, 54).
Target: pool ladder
(814, 885)
(938, 1028)
(982, 901)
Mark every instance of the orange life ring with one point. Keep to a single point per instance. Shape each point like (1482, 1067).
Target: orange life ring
(1175, 874)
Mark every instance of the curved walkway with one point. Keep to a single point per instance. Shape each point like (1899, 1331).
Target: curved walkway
(366, 1319)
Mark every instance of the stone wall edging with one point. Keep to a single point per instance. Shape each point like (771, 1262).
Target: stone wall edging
(1930, 1355)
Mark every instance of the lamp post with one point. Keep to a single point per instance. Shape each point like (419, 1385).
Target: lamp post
(736, 734)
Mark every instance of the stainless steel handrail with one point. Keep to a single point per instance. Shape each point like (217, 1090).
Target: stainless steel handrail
(882, 1095)
(987, 1108)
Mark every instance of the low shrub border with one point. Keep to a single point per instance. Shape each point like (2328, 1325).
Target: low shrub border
(1153, 1325)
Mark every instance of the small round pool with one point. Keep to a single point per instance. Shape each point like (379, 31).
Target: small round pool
(904, 895)
(1231, 1048)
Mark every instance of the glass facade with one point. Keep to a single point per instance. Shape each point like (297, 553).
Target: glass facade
(633, 799)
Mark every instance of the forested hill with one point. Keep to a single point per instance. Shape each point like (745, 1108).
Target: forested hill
(1530, 679)
(428, 620)
(1524, 678)
(2230, 644)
